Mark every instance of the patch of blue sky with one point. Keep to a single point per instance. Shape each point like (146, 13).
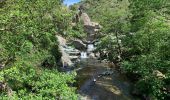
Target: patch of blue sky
(70, 2)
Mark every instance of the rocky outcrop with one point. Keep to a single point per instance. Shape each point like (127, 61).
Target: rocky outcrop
(69, 54)
(65, 59)
(91, 28)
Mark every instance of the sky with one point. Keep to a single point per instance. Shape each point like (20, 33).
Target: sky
(70, 2)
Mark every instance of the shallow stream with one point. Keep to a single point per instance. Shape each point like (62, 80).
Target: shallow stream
(96, 81)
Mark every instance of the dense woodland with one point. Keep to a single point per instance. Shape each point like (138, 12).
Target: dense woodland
(135, 36)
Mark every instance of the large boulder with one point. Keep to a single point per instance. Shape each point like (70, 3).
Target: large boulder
(86, 19)
(91, 37)
(78, 44)
(92, 27)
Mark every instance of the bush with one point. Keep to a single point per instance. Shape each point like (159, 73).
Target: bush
(28, 82)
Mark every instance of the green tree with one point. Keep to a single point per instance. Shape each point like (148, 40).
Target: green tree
(28, 30)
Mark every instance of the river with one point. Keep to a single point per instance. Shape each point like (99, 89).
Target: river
(106, 87)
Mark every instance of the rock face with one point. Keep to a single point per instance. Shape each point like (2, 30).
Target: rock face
(69, 54)
(65, 59)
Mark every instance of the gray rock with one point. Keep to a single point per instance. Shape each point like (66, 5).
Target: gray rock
(78, 44)
(92, 55)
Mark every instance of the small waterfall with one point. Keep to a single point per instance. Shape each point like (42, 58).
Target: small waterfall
(83, 55)
(90, 47)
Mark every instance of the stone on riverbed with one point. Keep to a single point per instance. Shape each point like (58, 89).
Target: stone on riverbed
(106, 73)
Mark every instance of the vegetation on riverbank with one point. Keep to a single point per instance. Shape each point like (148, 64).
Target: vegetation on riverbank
(136, 37)
(29, 50)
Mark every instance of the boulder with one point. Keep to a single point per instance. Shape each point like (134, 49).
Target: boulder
(97, 55)
(92, 28)
(91, 37)
(158, 74)
(78, 44)
(85, 18)
(92, 55)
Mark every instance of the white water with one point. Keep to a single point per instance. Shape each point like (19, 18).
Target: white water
(83, 55)
(90, 47)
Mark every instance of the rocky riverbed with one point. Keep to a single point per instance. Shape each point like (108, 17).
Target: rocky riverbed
(109, 84)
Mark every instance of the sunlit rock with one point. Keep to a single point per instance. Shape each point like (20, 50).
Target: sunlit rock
(78, 44)
(158, 74)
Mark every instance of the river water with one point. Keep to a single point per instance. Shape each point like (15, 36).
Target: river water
(106, 87)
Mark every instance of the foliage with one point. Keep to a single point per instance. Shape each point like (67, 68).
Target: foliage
(113, 15)
(77, 31)
(29, 82)
(143, 28)
(146, 48)
(28, 31)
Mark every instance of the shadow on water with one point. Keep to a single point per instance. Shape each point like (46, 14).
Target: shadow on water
(107, 87)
